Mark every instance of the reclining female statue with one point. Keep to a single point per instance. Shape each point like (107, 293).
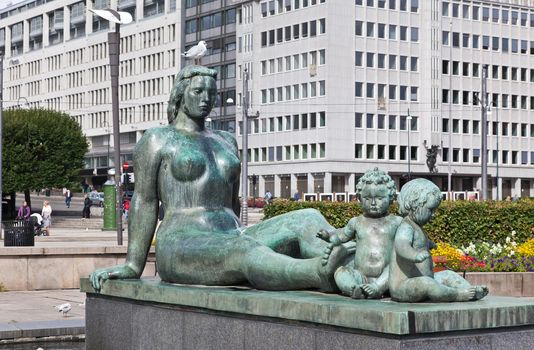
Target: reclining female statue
(194, 172)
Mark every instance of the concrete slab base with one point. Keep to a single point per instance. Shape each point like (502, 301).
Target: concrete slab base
(150, 314)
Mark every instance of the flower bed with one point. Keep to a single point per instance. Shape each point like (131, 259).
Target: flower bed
(486, 257)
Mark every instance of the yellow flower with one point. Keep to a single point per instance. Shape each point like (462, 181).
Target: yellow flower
(526, 249)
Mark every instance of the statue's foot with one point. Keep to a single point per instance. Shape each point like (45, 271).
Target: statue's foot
(466, 294)
(357, 293)
(326, 271)
(480, 292)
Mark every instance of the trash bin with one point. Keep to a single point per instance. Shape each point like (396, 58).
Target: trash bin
(47, 192)
(18, 234)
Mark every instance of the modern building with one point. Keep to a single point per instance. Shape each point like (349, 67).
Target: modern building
(56, 56)
(345, 86)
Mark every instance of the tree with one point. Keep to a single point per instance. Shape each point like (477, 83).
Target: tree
(42, 149)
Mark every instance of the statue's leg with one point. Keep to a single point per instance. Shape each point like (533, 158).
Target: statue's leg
(293, 231)
(349, 281)
(454, 280)
(266, 269)
(226, 259)
(426, 288)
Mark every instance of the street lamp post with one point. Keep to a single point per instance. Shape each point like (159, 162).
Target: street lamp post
(114, 42)
(244, 152)
(409, 121)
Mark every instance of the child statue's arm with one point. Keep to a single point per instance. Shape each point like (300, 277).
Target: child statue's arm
(403, 245)
(340, 235)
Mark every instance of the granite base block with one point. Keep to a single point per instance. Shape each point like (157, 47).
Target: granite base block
(149, 314)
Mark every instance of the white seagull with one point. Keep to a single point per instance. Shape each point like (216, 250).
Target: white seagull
(64, 308)
(196, 51)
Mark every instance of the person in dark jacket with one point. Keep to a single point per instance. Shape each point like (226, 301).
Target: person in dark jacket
(86, 212)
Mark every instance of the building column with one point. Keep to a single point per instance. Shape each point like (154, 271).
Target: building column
(26, 36)
(499, 189)
(261, 186)
(351, 183)
(277, 186)
(66, 23)
(310, 184)
(327, 188)
(531, 194)
(46, 29)
(7, 43)
(113, 4)
(516, 190)
(293, 184)
(167, 6)
(139, 11)
(89, 18)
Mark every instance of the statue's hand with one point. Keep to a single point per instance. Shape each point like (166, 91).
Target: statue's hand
(371, 291)
(326, 253)
(323, 234)
(98, 277)
(422, 256)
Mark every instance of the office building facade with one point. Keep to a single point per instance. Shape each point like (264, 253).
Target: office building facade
(345, 86)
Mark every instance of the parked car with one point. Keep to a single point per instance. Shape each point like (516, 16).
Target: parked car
(97, 198)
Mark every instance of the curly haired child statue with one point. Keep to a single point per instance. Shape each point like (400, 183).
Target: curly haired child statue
(373, 232)
(411, 276)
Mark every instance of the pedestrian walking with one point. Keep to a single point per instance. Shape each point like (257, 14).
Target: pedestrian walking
(68, 198)
(46, 213)
(126, 207)
(24, 212)
(86, 211)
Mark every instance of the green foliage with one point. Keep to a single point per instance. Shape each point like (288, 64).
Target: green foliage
(457, 223)
(42, 149)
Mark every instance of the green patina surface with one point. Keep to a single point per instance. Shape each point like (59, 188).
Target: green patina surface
(382, 316)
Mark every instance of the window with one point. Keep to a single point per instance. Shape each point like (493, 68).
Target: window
(392, 32)
(414, 93)
(403, 33)
(369, 121)
(370, 152)
(392, 92)
(381, 61)
(413, 64)
(370, 90)
(358, 61)
(403, 63)
(358, 119)
(445, 37)
(358, 89)
(359, 28)
(381, 121)
(392, 122)
(358, 151)
(370, 29)
(391, 152)
(381, 31)
(392, 62)
(370, 60)
(414, 33)
(474, 41)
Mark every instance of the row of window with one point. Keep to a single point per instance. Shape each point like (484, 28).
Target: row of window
(294, 62)
(493, 43)
(378, 121)
(394, 92)
(293, 92)
(488, 14)
(383, 61)
(402, 5)
(473, 126)
(471, 97)
(371, 151)
(468, 69)
(378, 30)
(466, 155)
(293, 32)
(210, 21)
(303, 121)
(272, 7)
(286, 153)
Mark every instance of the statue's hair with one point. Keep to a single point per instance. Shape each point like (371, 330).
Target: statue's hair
(182, 81)
(377, 177)
(417, 193)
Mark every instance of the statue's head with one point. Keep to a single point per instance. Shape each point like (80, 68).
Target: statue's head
(194, 92)
(418, 199)
(375, 190)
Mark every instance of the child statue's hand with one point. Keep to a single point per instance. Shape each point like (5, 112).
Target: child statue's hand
(371, 291)
(422, 256)
(324, 235)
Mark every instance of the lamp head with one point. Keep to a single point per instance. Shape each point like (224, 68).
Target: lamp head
(119, 17)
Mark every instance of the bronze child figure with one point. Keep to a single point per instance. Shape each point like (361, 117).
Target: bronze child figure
(374, 232)
(411, 276)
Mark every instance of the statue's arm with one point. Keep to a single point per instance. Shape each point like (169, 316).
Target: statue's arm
(143, 214)
(340, 235)
(403, 243)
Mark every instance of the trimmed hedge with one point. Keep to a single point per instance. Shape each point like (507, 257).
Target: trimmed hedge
(457, 223)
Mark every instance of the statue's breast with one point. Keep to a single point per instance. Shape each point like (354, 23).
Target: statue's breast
(187, 164)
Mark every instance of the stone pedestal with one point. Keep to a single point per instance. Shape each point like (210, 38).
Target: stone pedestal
(148, 314)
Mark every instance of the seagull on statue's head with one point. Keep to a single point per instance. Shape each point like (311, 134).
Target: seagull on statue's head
(196, 51)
